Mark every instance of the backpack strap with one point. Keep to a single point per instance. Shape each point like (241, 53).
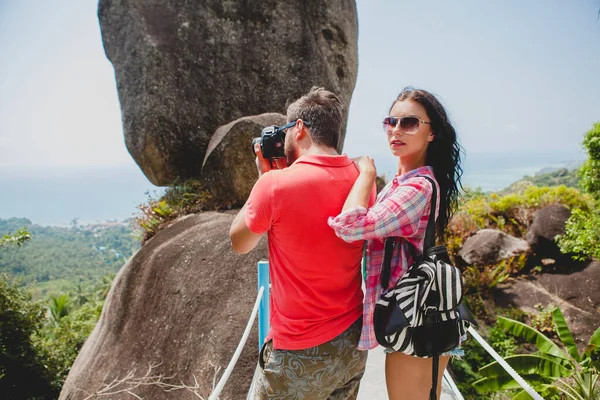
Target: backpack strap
(430, 232)
(387, 261)
(434, 377)
(427, 244)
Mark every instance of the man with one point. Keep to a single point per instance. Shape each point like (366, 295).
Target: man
(316, 295)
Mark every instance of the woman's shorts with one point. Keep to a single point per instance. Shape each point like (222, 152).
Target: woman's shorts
(457, 352)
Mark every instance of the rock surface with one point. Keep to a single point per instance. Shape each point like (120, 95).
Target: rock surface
(488, 246)
(547, 223)
(575, 289)
(181, 304)
(183, 69)
(229, 169)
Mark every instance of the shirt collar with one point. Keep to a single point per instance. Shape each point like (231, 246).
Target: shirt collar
(326, 160)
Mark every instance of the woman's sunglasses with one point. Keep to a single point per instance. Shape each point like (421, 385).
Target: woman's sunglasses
(408, 125)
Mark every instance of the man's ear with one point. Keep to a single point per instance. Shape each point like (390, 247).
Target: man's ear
(301, 131)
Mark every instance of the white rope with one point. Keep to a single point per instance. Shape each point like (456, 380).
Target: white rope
(505, 365)
(238, 351)
(450, 382)
(257, 374)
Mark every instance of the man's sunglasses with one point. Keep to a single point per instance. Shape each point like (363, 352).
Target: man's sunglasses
(408, 125)
(291, 124)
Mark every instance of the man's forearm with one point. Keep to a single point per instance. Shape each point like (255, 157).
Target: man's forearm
(242, 238)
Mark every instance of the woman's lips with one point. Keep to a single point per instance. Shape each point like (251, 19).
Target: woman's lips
(397, 143)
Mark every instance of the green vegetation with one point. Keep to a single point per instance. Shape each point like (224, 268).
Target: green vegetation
(18, 238)
(179, 199)
(39, 340)
(563, 176)
(590, 171)
(555, 372)
(23, 374)
(93, 251)
(70, 319)
(465, 369)
(582, 233)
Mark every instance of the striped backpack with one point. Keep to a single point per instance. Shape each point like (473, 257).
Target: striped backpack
(423, 314)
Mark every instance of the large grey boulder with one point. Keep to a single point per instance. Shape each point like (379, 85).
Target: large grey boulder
(183, 69)
(180, 306)
(572, 287)
(488, 246)
(229, 168)
(547, 223)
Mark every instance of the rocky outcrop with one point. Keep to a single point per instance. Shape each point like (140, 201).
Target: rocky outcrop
(547, 223)
(181, 305)
(183, 69)
(229, 170)
(575, 289)
(488, 246)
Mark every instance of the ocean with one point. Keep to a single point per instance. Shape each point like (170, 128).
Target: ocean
(57, 196)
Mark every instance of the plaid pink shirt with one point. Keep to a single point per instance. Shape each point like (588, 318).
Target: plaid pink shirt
(401, 210)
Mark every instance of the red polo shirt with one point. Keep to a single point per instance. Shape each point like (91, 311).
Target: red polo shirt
(315, 276)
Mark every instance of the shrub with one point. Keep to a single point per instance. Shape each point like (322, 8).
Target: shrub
(20, 237)
(23, 373)
(582, 235)
(60, 342)
(179, 199)
(483, 279)
(582, 231)
(590, 170)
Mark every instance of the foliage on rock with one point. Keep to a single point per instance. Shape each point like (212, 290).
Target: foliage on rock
(178, 200)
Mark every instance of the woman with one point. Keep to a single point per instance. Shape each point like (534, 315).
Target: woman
(419, 133)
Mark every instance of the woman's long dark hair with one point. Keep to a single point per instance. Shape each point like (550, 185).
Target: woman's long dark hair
(443, 154)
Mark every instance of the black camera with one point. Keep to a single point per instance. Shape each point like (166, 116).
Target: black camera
(271, 142)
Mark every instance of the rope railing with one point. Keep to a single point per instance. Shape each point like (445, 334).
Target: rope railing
(238, 351)
(448, 379)
(530, 391)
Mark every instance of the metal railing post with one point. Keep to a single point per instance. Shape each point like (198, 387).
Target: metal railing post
(264, 308)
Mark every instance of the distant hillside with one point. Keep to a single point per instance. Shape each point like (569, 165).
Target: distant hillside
(561, 176)
(556, 176)
(77, 254)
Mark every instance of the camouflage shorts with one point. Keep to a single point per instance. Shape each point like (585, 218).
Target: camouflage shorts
(330, 371)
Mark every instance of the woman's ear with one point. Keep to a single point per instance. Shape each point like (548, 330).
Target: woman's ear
(431, 137)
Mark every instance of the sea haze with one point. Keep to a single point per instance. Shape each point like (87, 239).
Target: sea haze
(56, 196)
(495, 171)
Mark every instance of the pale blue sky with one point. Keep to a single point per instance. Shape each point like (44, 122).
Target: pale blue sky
(516, 77)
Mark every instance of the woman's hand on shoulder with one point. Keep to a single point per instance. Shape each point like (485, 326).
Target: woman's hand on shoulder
(365, 165)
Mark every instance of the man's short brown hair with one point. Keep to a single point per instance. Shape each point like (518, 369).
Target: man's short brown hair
(323, 110)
